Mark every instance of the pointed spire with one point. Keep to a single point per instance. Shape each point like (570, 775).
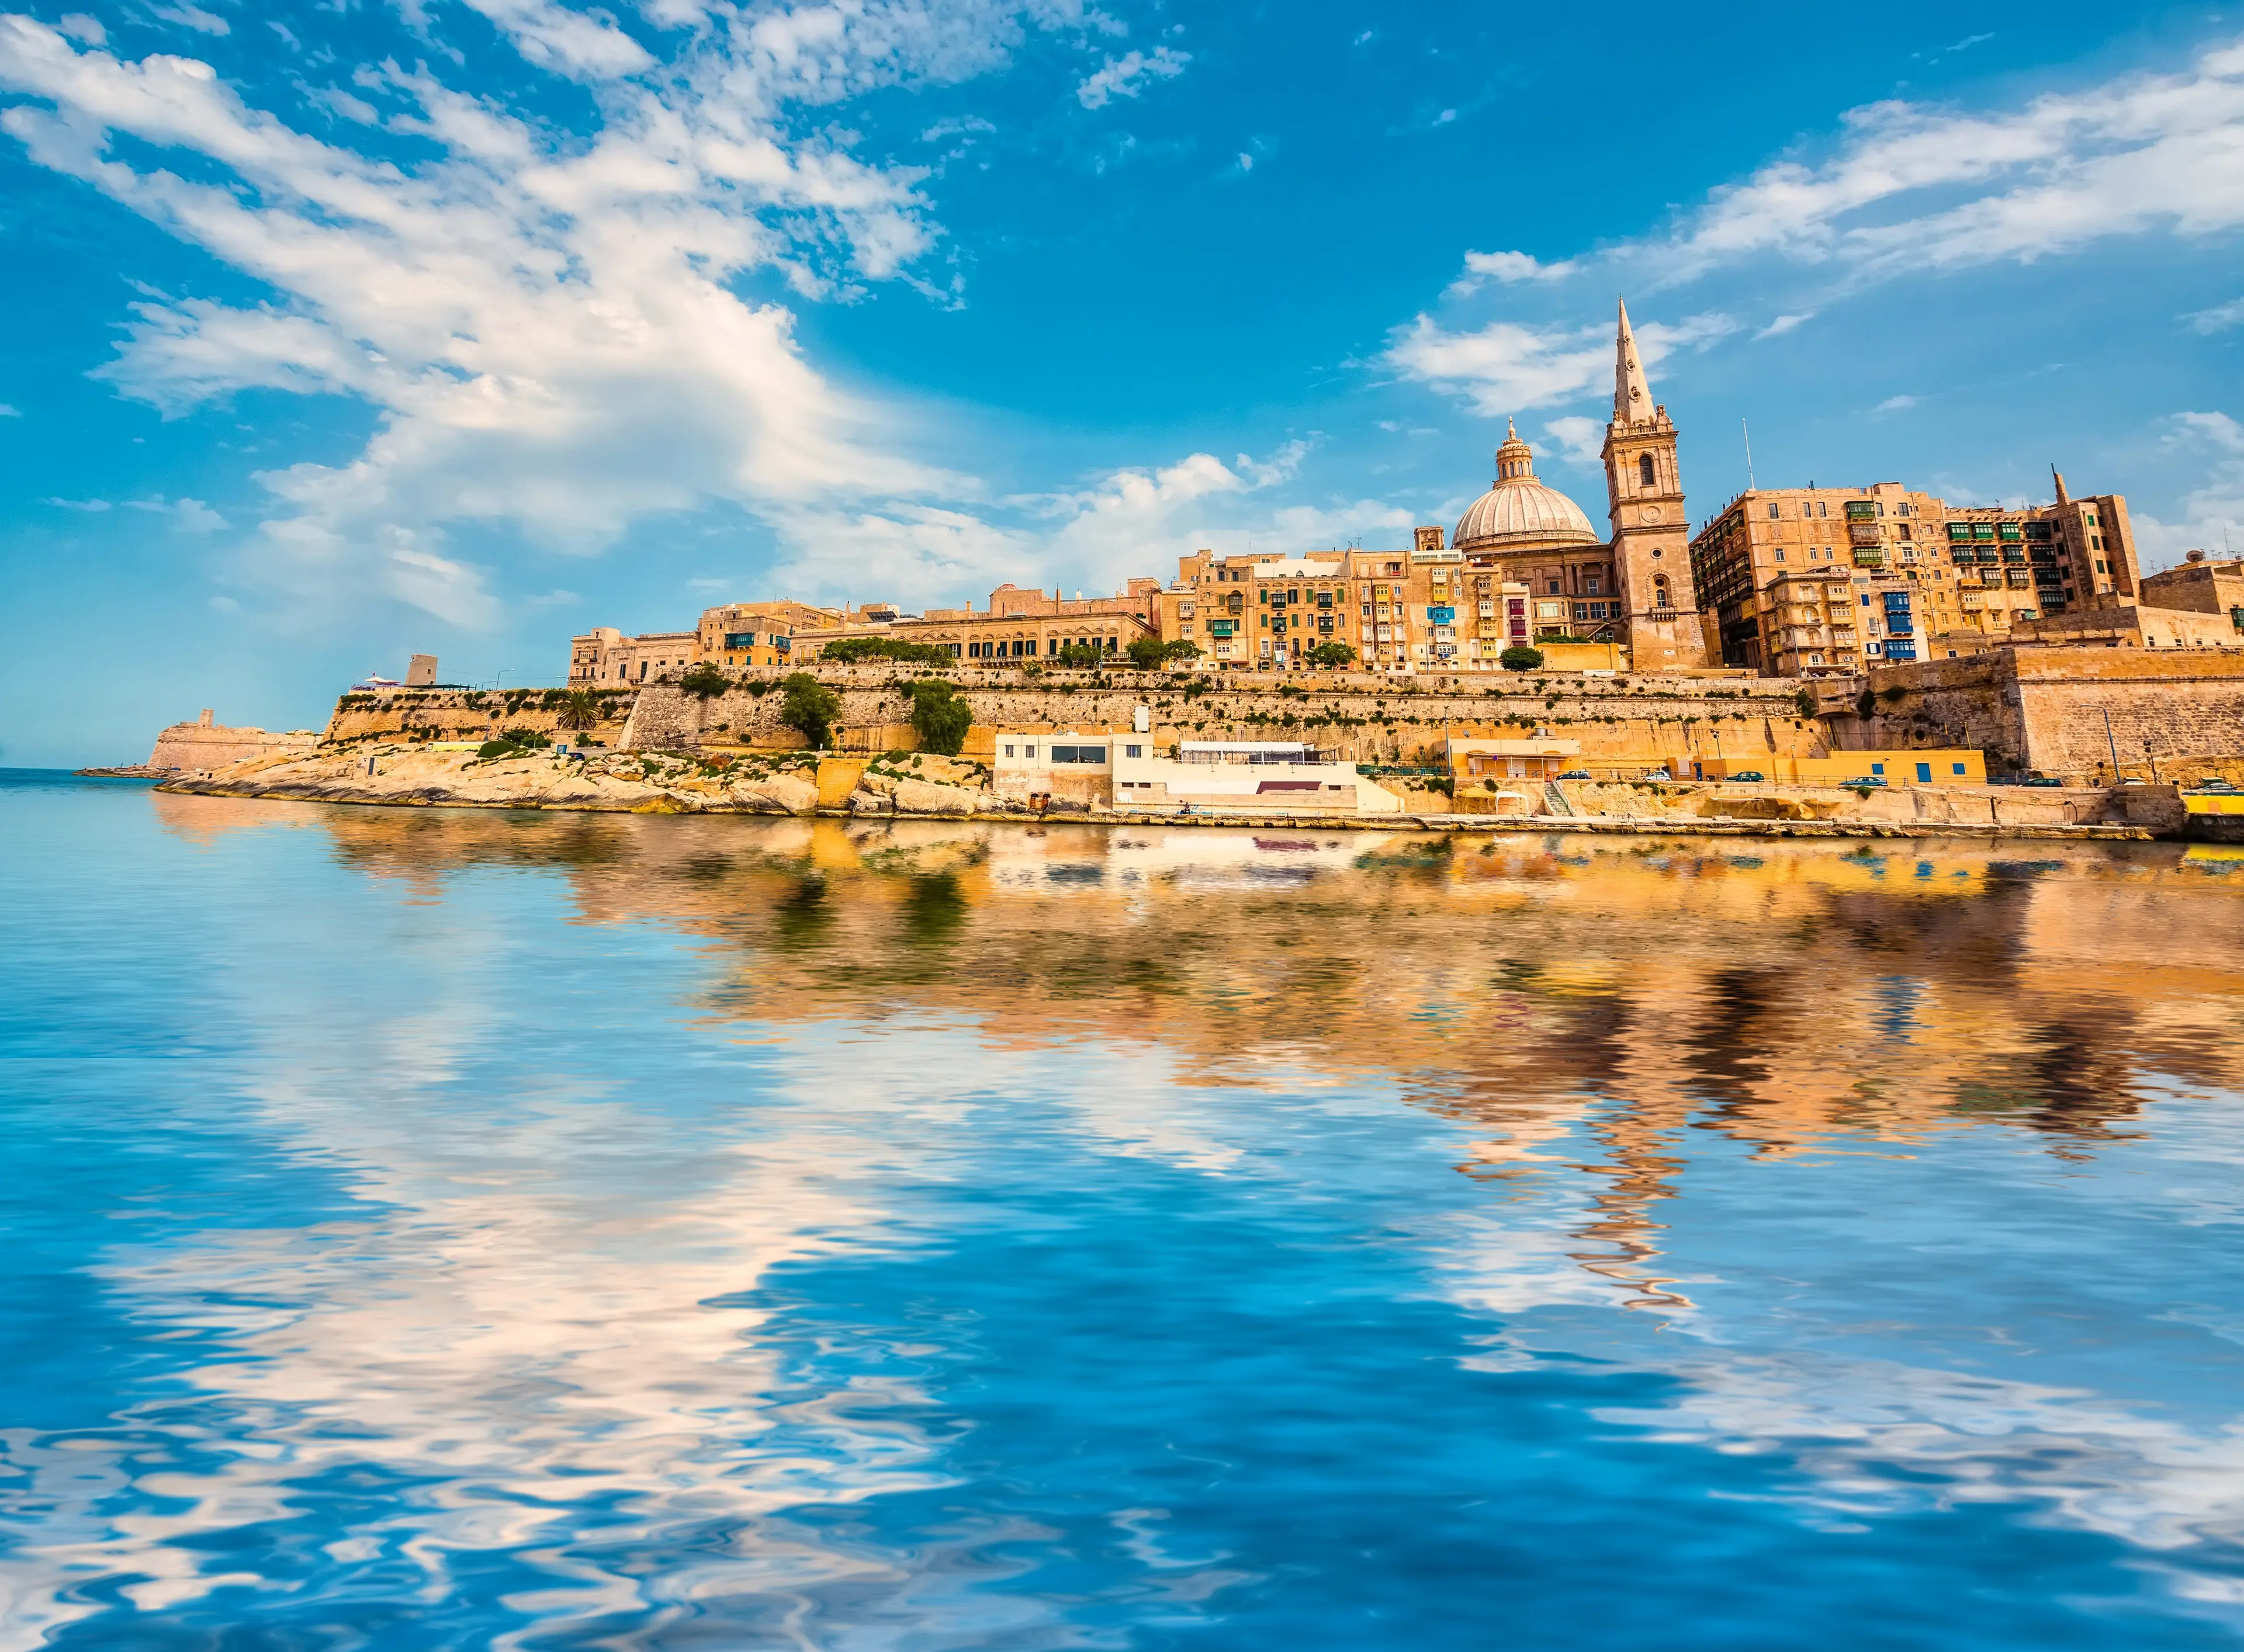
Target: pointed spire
(1510, 430)
(2062, 497)
(1632, 396)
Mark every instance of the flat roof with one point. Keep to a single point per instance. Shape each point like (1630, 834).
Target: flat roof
(1245, 745)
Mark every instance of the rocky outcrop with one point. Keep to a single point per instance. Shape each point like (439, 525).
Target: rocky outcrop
(669, 783)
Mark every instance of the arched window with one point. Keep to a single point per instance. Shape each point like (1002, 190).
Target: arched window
(1644, 468)
(1659, 597)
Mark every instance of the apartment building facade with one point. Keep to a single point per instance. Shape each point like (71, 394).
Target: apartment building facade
(1963, 576)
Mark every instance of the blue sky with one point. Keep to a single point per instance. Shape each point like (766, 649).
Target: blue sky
(341, 331)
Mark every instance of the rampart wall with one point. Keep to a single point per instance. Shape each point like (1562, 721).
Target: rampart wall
(2066, 712)
(194, 746)
(1361, 719)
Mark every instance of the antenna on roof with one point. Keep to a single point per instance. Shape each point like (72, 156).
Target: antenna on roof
(1750, 488)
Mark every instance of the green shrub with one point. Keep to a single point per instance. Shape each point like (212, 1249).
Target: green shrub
(1332, 656)
(528, 739)
(1150, 654)
(705, 681)
(1805, 701)
(1080, 656)
(940, 715)
(492, 748)
(1520, 657)
(850, 651)
(810, 707)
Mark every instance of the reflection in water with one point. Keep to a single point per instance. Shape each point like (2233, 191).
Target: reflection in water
(584, 1230)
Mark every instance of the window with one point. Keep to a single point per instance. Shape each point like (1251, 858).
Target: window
(1779, 553)
(1590, 585)
(1133, 751)
(1644, 469)
(1877, 769)
(1924, 772)
(1660, 592)
(1822, 509)
(1009, 751)
(1958, 768)
(1554, 587)
(1029, 751)
(1772, 513)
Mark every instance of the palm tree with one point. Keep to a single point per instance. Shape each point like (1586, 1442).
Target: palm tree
(580, 709)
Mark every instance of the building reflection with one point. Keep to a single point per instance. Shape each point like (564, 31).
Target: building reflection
(1552, 994)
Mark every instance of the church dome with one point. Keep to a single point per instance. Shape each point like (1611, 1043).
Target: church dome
(1518, 512)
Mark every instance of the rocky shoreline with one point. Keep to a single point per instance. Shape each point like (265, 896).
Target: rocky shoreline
(914, 786)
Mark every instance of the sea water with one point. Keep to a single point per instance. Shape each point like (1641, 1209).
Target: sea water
(457, 1229)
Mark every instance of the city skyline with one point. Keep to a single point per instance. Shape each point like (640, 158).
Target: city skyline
(465, 329)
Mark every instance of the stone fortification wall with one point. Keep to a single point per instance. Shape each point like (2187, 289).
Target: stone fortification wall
(1358, 718)
(205, 745)
(461, 714)
(2062, 711)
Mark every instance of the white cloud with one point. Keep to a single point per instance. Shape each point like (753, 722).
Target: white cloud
(568, 41)
(83, 29)
(188, 516)
(1508, 367)
(193, 16)
(90, 505)
(1582, 440)
(1894, 405)
(8, 412)
(2219, 319)
(550, 335)
(2211, 517)
(1481, 267)
(225, 604)
(1128, 76)
(1916, 187)
(1905, 188)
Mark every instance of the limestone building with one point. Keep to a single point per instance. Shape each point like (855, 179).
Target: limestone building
(1965, 576)
(1651, 533)
(1634, 587)
(2200, 586)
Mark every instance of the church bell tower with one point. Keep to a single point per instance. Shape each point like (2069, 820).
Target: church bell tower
(1651, 532)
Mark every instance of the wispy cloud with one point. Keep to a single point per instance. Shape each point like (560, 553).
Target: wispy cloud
(8, 412)
(193, 16)
(551, 333)
(2219, 319)
(82, 505)
(1509, 367)
(188, 516)
(1894, 405)
(1784, 324)
(1483, 267)
(1129, 75)
(1912, 186)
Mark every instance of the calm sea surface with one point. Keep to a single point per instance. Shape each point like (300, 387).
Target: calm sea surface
(459, 1229)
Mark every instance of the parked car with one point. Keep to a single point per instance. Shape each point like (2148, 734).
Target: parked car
(1867, 780)
(2041, 779)
(1659, 773)
(1574, 774)
(1750, 776)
